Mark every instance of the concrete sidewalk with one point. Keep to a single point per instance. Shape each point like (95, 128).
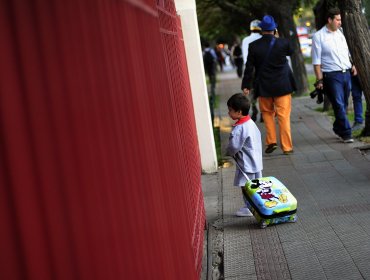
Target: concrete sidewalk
(331, 181)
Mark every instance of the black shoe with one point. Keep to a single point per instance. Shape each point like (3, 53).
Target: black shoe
(347, 139)
(288, 152)
(357, 126)
(270, 148)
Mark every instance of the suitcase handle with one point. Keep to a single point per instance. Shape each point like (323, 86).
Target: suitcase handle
(241, 170)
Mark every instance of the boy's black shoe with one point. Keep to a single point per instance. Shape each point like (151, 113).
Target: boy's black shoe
(270, 148)
(347, 139)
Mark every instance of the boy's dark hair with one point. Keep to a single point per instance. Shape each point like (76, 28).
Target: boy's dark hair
(239, 102)
(332, 12)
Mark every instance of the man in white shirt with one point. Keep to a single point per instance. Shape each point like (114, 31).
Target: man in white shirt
(332, 67)
(255, 34)
(255, 29)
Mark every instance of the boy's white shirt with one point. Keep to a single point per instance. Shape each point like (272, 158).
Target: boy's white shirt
(245, 145)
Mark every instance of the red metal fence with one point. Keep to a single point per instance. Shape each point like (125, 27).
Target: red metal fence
(99, 160)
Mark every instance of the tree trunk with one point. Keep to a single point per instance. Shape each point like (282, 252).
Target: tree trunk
(282, 11)
(320, 10)
(356, 31)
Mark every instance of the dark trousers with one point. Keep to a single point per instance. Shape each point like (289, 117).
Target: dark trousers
(239, 63)
(212, 93)
(337, 86)
(357, 99)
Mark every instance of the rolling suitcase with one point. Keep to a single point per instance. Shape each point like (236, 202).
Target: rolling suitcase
(270, 201)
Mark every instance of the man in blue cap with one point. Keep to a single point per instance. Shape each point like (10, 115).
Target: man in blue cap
(273, 83)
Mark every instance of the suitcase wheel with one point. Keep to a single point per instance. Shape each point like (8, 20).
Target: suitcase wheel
(294, 219)
(263, 224)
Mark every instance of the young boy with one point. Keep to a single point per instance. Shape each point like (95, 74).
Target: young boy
(245, 145)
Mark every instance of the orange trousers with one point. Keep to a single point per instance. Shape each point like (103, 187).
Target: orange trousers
(281, 107)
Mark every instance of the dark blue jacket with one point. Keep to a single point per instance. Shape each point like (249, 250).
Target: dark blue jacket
(276, 78)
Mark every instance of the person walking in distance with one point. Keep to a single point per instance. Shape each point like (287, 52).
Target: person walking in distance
(210, 65)
(255, 30)
(237, 56)
(332, 67)
(273, 83)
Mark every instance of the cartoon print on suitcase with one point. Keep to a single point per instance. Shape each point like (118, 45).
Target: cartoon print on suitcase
(270, 201)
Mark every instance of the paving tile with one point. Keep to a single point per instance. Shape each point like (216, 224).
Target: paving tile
(243, 277)
(238, 253)
(268, 254)
(291, 232)
(302, 261)
(333, 155)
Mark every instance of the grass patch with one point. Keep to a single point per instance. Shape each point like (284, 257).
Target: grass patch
(311, 80)
(217, 102)
(365, 139)
(307, 60)
(357, 133)
(330, 113)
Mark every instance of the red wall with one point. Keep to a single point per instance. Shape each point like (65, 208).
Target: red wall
(99, 160)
